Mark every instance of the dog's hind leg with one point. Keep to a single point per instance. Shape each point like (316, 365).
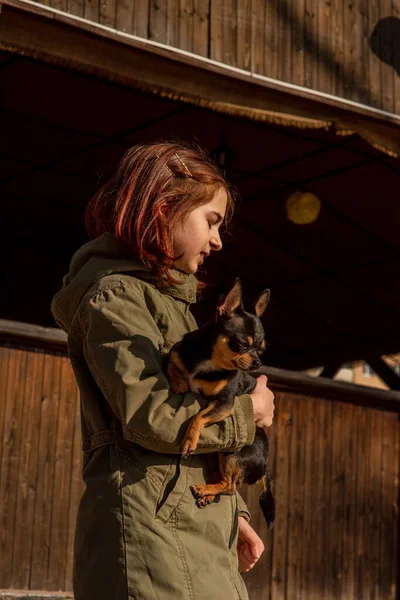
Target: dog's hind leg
(231, 474)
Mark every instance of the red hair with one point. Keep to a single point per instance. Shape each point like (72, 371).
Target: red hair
(154, 188)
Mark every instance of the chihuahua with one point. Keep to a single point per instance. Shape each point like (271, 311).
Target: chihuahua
(216, 361)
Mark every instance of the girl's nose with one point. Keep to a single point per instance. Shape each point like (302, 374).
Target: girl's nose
(215, 242)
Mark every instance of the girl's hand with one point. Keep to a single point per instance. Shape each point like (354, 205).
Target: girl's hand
(263, 403)
(250, 546)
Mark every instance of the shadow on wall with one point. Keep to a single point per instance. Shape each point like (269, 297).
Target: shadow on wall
(385, 42)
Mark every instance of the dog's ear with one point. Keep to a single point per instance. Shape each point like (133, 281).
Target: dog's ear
(232, 301)
(262, 303)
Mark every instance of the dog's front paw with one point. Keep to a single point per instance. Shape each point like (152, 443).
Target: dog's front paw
(204, 501)
(187, 448)
(189, 443)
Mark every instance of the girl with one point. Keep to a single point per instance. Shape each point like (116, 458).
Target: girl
(124, 303)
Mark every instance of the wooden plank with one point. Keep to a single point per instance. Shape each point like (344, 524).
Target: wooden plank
(325, 42)
(201, 27)
(14, 401)
(244, 21)
(312, 44)
(62, 477)
(390, 518)
(374, 67)
(360, 92)
(284, 39)
(387, 47)
(46, 472)
(158, 26)
(338, 47)
(4, 368)
(124, 15)
(323, 484)
(229, 27)
(374, 504)
(299, 50)
(349, 46)
(173, 20)
(76, 487)
(76, 7)
(361, 590)
(141, 18)
(258, 45)
(350, 433)
(396, 62)
(306, 583)
(91, 10)
(271, 27)
(311, 518)
(108, 12)
(296, 490)
(27, 473)
(216, 30)
(59, 4)
(337, 515)
(284, 432)
(185, 25)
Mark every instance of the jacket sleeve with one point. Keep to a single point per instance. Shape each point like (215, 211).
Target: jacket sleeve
(243, 511)
(122, 346)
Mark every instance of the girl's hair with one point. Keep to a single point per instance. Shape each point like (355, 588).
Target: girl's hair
(155, 187)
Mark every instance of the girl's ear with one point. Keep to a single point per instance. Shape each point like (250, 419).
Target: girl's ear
(262, 303)
(232, 301)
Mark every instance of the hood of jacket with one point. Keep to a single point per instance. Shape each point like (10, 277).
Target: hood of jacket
(99, 258)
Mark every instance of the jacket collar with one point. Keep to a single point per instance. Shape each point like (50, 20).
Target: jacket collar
(184, 289)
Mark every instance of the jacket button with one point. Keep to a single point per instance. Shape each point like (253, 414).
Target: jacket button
(190, 294)
(86, 445)
(182, 275)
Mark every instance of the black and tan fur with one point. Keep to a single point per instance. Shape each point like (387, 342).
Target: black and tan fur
(216, 361)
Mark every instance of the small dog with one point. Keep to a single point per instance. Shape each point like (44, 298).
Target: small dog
(216, 361)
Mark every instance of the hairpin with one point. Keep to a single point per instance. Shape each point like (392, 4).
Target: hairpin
(167, 167)
(183, 164)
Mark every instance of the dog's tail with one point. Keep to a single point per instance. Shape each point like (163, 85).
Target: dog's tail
(267, 501)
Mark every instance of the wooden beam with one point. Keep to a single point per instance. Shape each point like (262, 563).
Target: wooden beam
(53, 36)
(327, 389)
(324, 388)
(16, 330)
(384, 371)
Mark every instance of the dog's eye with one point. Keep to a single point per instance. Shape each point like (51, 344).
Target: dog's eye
(237, 346)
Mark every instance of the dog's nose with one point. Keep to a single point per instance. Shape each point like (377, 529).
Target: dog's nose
(256, 363)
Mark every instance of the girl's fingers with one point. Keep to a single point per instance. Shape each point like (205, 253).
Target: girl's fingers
(246, 559)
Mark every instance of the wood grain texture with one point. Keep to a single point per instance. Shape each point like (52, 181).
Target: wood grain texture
(11, 440)
(141, 18)
(201, 27)
(322, 45)
(28, 470)
(46, 472)
(335, 469)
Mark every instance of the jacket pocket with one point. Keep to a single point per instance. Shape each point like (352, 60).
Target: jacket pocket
(172, 490)
(163, 473)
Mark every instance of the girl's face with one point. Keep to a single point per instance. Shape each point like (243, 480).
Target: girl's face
(198, 233)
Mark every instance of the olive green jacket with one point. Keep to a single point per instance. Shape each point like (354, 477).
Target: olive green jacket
(139, 533)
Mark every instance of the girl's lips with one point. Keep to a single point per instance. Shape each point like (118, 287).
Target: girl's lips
(203, 255)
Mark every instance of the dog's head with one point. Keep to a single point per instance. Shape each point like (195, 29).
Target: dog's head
(239, 335)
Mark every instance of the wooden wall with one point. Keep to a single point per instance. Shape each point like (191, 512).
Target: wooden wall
(326, 45)
(336, 481)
